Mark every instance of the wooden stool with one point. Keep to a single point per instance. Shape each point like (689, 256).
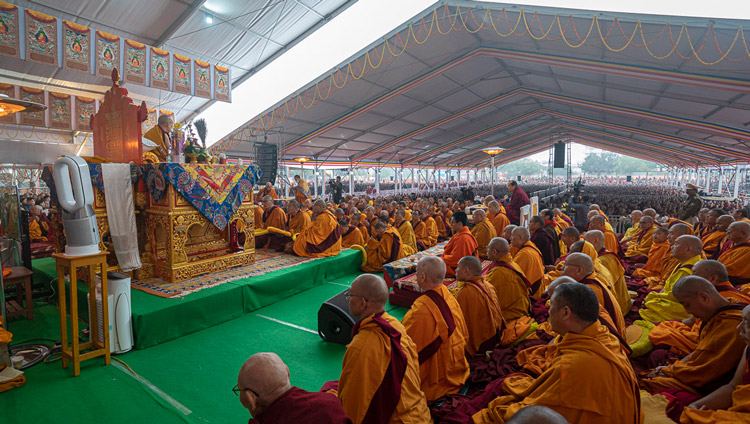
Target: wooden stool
(21, 277)
(96, 348)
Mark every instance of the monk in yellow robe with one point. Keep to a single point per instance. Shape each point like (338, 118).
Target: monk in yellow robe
(483, 232)
(669, 263)
(656, 255)
(39, 225)
(322, 238)
(430, 225)
(611, 262)
(258, 215)
(301, 190)
(635, 217)
(641, 244)
(568, 236)
(461, 244)
(161, 135)
(663, 306)
(437, 326)
(719, 346)
(442, 219)
(267, 190)
(420, 231)
(380, 373)
(580, 267)
(729, 403)
(297, 220)
(597, 222)
(408, 239)
(350, 235)
(273, 217)
(529, 259)
(383, 247)
(588, 364)
(480, 307)
(712, 237)
(737, 257)
(509, 281)
(499, 220)
(355, 220)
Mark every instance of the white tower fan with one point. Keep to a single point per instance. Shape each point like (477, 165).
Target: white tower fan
(76, 195)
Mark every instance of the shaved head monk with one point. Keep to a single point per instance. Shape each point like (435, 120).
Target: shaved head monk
(529, 259)
(728, 403)
(404, 228)
(656, 255)
(461, 244)
(264, 389)
(499, 219)
(380, 373)
(737, 257)
(669, 262)
(509, 281)
(483, 232)
(719, 346)
(437, 326)
(611, 262)
(589, 380)
(537, 414)
(635, 217)
(383, 247)
(597, 222)
(273, 216)
(508, 231)
(480, 307)
(322, 238)
(641, 243)
(663, 306)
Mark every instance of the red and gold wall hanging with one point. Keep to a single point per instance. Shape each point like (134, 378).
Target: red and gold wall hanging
(159, 68)
(9, 30)
(181, 78)
(32, 118)
(222, 85)
(135, 62)
(107, 53)
(59, 111)
(10, 91)
(85, 107)
(202, 76)
(77, 47)
(41, 37)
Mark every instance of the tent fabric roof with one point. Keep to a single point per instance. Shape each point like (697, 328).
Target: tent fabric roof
(463, 76)
(244, 36)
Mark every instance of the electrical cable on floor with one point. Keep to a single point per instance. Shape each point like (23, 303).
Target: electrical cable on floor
(153, 389)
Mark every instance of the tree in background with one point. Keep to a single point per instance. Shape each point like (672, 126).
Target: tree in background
(600, 163)
(523, 167)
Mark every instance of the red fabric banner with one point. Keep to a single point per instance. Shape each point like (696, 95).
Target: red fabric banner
(9, 30)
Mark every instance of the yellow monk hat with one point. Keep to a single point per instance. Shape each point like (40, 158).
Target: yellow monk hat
(692, 187)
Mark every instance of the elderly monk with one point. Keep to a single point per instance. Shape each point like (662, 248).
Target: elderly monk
(722, 226)
(408, 239)
(430, 224)
(499, 220)
(543, 240)
(322, 238)
(737, 257)
(273, 217)
(611, 262)
(568, 236)
(301, 190)
(635, 217)
(480, 307)
(461, 244)
(597, 222)
(483, 232)
(641, 244)
(267, 190)
(443, 223)
(663, 306)
(39, 225)
(561, 218)
(682, 336)
(350, 235)
(518, 199)
(657, 282)
(509, 281)
(537, 414)
(297, 220)
(719, 346)
(712, 238)
(383, 247)
(161, 135)
(420, 230)
(660, 250)
(589, 380)
(529, 259)
(580, 267)
(264, 389)
(701, 227)
(379, 380)
(437, 326)
(730, 402)
(355, 220)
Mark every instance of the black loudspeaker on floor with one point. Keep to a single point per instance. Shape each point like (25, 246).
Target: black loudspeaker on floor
(335, 324)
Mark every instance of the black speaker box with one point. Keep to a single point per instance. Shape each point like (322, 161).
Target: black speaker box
(559, 155)
(335, 324)
(266, 157)
(629, 179)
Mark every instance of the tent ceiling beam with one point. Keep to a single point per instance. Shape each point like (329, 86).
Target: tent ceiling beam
(177, 23)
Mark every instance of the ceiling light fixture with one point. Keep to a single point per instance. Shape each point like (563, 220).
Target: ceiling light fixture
(209, 18)
(9, 105)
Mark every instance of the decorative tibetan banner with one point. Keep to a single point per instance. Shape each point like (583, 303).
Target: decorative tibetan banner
(77, 50)
(32, 118)
(41, 38)
(181, 79)
(10, 91)
(107, 53)
(59, 111)
(222, 85)
(9, 30)
(159, 68)
(150, 121)
(202, 75)
(85, 107)
(166, 112)
(135, 62)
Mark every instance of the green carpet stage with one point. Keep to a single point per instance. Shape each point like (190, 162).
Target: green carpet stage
(157, 319)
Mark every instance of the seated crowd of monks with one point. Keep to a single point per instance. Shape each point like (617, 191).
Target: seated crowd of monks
(682, 290)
